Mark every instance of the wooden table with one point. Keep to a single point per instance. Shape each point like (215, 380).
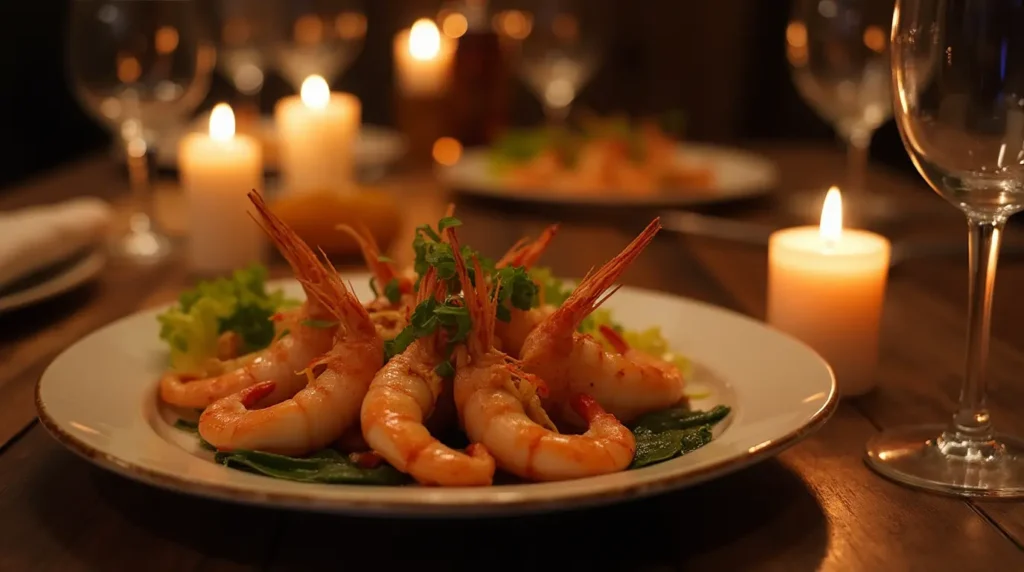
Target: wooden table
(816, 506)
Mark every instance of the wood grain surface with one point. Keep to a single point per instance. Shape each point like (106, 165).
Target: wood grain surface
(815, 507)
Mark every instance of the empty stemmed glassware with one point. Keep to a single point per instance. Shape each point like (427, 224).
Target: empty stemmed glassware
(838, 52)
(316, 37)
(554, 47)
(958, 90)
(141, 67)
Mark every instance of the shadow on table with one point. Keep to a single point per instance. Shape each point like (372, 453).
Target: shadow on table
(763, 517)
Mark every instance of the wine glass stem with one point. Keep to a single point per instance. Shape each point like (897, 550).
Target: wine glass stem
(140, 161)
(971, 424)
(857, 146)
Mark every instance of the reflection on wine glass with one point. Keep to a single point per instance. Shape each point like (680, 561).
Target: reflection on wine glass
(959, 102)
(316, 37)
(243, 44)
(838, 51)
(554, 49)
(141, 67)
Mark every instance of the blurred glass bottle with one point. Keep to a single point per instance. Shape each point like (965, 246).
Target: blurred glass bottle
(480, 90)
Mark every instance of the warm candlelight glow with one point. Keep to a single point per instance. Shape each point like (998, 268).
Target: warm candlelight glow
(315, 93)
(447, 151)
(222, 122)
(424, 40)
(454, 25)
(831, 225)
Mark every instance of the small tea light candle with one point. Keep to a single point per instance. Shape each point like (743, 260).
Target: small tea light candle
(423, 60)
(217, 171)
(317, 131)
(826, 287)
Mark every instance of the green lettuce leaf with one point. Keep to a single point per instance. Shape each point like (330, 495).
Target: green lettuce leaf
(239, 303)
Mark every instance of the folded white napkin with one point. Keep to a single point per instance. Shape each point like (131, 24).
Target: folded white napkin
(36, 237)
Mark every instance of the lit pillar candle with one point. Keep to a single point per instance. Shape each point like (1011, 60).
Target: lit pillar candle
(423, 60)
(217, 171)
(316, 133)
(826, 286)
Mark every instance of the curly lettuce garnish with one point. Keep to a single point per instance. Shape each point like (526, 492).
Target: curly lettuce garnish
(240, 304)
(554, 291)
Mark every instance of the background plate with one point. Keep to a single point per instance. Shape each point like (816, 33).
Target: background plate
(738, 175)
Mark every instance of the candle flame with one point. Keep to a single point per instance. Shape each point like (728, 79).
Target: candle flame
(315, 93)
(424, 40)
(222, 122)
(832, 217)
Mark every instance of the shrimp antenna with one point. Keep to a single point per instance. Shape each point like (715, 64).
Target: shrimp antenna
(597, 286)
(477, 302)
(319, 279)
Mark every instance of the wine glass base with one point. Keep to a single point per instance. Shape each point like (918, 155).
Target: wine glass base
(922, 458)
(141, 247)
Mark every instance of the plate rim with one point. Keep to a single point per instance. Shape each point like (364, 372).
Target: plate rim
(543, 196)
(370, 506)
(87, 268)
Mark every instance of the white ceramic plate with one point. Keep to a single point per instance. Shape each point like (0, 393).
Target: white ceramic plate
(99, 398)
(52, 282)
(738, 175)
(376, 148)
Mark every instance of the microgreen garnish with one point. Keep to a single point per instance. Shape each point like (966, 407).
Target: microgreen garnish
(383, 258)
(319, 324)
(393, 291)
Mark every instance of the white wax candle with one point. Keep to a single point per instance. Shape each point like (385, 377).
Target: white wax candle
(423, 60)
(826, 287)
(316, 133)
(217, 171)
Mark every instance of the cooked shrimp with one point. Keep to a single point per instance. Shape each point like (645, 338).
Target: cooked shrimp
(321, 412)
(402, 395)
(310, 333)
(525, 253)
(625, 383)
(499, 406)
(383, 270)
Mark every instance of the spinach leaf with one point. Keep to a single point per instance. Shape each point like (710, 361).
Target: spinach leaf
(679, 418)
(193, 427)
(653, 448)
(327, 466)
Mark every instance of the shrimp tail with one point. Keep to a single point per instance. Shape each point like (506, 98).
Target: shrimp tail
(251, 395)
(614, 338)
(321, 282)
(383, 271)
(587, 407)
(596, 287)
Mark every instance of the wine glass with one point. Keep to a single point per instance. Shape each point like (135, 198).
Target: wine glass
(554, 47)
(141, 67)
(243, 44)
(838, 51)
(959, 104)
(316, 37)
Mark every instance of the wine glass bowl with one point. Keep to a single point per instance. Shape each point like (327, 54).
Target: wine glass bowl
(838, 52)
(959, 105)
(243, 28)
(140, 67)
(318, 37)
(554, 48)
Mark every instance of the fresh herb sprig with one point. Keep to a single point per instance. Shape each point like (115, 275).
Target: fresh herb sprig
(516, 289)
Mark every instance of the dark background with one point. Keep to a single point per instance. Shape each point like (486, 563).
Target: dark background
(723, 62)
